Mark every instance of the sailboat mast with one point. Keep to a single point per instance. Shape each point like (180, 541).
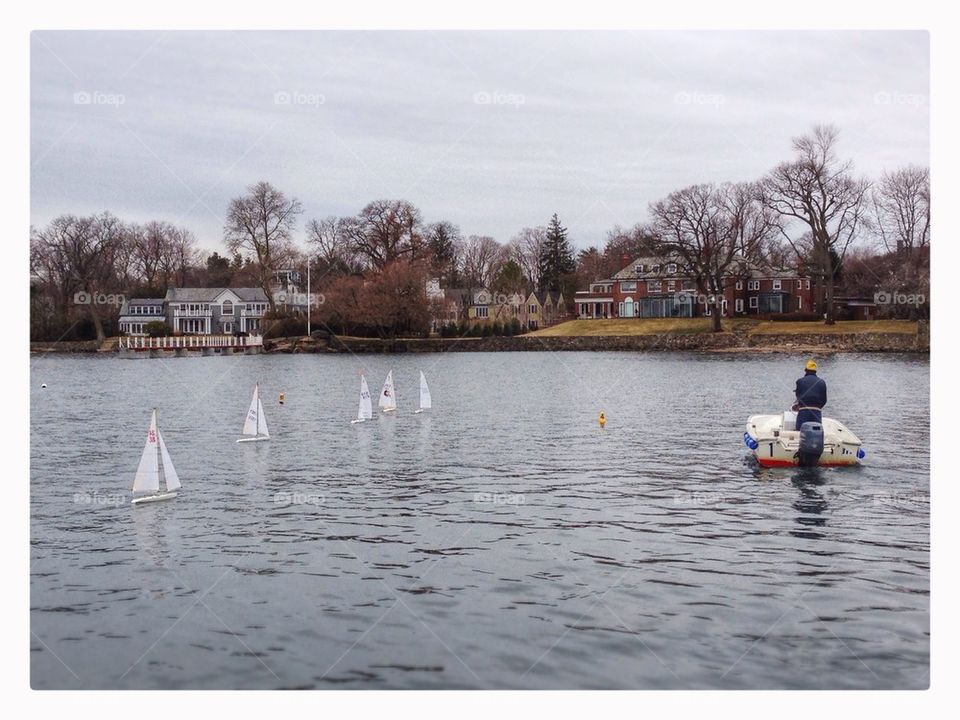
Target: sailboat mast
(161, 475)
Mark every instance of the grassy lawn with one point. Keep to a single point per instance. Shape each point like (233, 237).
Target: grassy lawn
(848, 327)
(627, 326)
(655, 326)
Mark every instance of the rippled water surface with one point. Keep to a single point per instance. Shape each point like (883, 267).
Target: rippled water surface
(501, 540)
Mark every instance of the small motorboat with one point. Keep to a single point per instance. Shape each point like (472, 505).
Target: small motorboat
(777, 442)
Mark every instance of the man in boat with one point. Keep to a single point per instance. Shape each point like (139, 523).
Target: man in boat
(811, 392)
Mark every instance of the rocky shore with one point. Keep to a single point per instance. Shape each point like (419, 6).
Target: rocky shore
(690, 342)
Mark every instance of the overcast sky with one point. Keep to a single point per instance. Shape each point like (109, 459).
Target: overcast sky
(493, 131)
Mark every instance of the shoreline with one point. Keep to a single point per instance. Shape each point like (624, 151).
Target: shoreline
(724, 342)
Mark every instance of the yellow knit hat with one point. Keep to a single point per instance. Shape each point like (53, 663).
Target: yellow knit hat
(812, 365)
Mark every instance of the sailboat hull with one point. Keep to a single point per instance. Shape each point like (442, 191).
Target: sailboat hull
(389, 410)
(258, 438)
(417, 412)
(153, 498)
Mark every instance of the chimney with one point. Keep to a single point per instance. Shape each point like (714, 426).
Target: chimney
(624, 260)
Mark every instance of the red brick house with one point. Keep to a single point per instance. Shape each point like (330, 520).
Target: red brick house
(658, 287)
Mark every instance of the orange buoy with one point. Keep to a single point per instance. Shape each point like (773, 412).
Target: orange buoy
(603, 420)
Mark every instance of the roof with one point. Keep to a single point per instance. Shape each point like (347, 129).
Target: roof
(630, 273)
(211, 294)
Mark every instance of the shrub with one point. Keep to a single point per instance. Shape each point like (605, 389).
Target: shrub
(158, 328)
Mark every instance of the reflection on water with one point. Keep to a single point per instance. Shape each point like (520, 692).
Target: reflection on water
(501, 540)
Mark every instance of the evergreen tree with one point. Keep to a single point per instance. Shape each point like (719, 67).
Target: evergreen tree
(556, 258)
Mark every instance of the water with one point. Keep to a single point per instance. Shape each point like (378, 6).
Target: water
(501, 540)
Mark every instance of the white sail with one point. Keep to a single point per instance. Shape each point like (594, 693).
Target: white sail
(169, 472)
(388, 400)
(251, 425)
(425, 402)
(147, 479)
(263, 419)
(366, 406)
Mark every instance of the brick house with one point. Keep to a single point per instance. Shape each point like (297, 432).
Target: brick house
(658, 287)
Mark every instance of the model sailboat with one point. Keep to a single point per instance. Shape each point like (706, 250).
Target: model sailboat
(425, 402)
(366, 406)
(388, 399)
(156, 477)
(255, 426)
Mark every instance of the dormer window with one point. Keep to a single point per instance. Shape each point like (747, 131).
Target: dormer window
(671, 268)
(639, 269)
(655, 269)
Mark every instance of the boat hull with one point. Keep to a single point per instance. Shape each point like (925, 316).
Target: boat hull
(153, 498)
(258, 438)
(776, 447)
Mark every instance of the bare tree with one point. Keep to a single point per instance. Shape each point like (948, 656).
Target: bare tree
(901, 208)
(329, 240)
(526, 248)
(713, 232)
(386, 230)
(482, 258)
(820, 193)
(76, 256)
(260, 224)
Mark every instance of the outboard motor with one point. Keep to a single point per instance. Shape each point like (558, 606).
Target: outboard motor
(811, 444)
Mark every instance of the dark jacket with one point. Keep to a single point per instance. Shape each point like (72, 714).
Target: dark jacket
(811, 391)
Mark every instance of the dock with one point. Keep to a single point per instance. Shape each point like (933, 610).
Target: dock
(189, 346)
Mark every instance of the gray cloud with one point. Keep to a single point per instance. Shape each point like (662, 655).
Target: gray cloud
(491, 130)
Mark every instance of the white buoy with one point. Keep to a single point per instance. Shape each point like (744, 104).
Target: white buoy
(43, 385)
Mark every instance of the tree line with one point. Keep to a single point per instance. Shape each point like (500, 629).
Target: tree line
(812, 212)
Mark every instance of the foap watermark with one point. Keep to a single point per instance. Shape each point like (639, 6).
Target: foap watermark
(299, 99)
(94, 298)
(483, 97)
(889, 97)
(95, 97)
(99, 500)
(692, 97)
(499, 498)
(698, 498)
(299, 299)
(298, 498)
(894, 297)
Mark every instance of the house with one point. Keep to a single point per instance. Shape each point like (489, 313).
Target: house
(854, 308)
(198, 311)
(651, 287)
(137, 313)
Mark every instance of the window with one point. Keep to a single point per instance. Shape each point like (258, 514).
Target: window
(671, 268)
(739, 305)
(754, 302)
(753, 285)
(655, 269)
(671, 285)
(639, 269)
(799, 303)
(739, 284)
(483, 311)
(226, 308)
(689, 285)
(653, 286)
(799, 284)
(776, 284)
(533, 309)
(628, 286)
(228, 327)
(808, 284)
